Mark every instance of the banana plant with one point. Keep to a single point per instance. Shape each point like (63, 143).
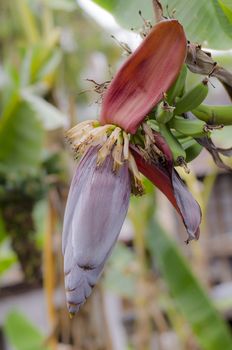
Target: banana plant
(25, 117)
(131, 137)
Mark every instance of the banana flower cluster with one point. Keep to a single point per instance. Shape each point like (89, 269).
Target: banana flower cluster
(110, 162)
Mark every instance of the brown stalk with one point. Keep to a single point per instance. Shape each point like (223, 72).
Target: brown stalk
(201, 62)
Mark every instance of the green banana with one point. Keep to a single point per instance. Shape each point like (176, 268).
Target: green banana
(178, 152)
(153, 124)
(214, 114)
(189, 127)
(164, 112)
(193, 152)
(192, 148)
(177, 88)
(181, 137)
(192, 98)
(186, 141)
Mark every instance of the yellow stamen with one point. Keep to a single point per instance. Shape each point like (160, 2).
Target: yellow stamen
(145, 154)
(137, 186)
(79, 128)
(107, 147)
(114, 142)
(78, 134)
(150, 145)
(93, 136)
(125, 145)
(148, 131)
(117, 154)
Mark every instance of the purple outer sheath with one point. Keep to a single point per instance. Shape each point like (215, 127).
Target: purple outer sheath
(97, 205)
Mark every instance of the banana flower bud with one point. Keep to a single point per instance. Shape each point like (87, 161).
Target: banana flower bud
(110, 163)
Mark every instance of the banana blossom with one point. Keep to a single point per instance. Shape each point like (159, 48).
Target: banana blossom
(110, 163)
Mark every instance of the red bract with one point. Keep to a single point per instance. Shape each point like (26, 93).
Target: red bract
(147, 74)
(165, 177)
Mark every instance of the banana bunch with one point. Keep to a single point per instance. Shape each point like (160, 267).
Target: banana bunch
(170, 119)
(183, 130)
(184, 148)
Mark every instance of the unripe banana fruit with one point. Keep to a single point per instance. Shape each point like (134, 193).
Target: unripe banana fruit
(177, 89)
(189, 127)
(164, 112)
(193, 152)
(177, 150)
(192, 148)
(214, 114)
(192, 98)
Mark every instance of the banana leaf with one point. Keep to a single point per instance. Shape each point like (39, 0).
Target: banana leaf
(188, 295)
(22, 334)
(21, 139)
(196, 17)
(224, 16)
(6, 262)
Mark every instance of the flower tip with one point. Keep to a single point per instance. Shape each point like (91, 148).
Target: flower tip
(193, 237)
(72, 309)
(71, 315)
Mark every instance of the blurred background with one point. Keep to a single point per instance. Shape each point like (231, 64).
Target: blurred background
(156, 292)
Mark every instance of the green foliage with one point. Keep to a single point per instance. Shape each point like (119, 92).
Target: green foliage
(24, 113)
(127, 12)
(39, 63)
(189, 297)
(22, 186)
(62, 5)
(21, 139)
(197, 17)
(50, 65)
(3, 233)
(108, 5)
(224, 15)
(118, 277)
(22, 334)
(50, 116)
(6, 262)
(28, 21)
(226, 7)
(200, 22)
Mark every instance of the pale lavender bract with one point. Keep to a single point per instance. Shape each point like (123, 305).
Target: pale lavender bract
(96, 208)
